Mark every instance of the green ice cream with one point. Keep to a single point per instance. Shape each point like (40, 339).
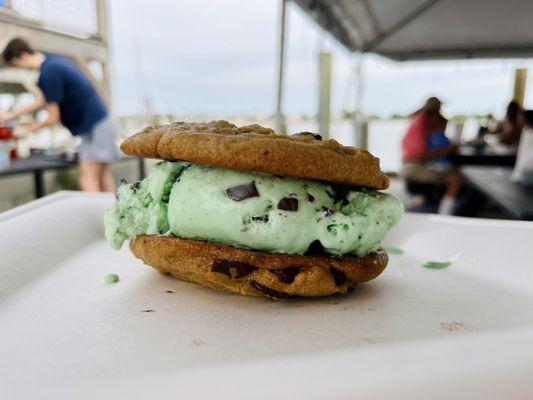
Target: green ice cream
(251, 210)
(141, 208)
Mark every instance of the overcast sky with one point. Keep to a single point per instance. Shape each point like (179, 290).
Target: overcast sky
(219, 57)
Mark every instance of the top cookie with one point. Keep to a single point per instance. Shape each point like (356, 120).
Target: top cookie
(255, 148)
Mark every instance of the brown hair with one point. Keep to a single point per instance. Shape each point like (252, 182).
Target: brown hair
(513, 111)
(15, 48)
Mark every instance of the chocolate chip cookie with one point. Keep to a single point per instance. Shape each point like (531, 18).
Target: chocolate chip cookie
(257, 273)
(255, 148)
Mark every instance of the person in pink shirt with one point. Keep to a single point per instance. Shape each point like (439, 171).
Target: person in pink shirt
(425, 149)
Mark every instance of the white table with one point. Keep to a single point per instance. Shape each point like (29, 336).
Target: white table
(461, 332)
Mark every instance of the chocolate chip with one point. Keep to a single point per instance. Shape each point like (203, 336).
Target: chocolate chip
(327, 211)
(286, 275)
(122, 182)
(242, 192)
(261, 218)
(310, 197)
(315, 135)
(338, 276)
(135, 186)
(268, 291)
(315, 248)
(226, 267)
(332, 228)
(339, 194)
(288, 204)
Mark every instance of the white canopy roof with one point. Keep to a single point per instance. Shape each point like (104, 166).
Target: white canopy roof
(428, 29)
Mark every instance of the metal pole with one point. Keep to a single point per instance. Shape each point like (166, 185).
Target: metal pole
(280, 119)
(324, 93)
(359, 119)
(38, 181)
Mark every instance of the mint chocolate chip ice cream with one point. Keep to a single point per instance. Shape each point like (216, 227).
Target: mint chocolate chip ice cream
(141, 208)
(251, 210)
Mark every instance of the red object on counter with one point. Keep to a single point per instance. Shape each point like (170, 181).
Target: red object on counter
(6, 134)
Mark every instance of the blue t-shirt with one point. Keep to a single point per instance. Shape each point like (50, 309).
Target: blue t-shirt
(79, 103)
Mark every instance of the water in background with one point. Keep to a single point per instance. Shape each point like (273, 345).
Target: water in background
(384, 136)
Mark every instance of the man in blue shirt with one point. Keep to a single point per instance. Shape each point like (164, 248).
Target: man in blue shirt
(70, 99)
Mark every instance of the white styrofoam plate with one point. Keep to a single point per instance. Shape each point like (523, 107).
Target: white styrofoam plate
(465, 331)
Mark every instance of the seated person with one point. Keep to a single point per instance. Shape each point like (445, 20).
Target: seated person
(486, 126)
(438, 140)
(425, 151)
(510, 129)
(523, 169)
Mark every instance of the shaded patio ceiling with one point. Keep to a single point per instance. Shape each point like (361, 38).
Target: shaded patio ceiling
(428, 29)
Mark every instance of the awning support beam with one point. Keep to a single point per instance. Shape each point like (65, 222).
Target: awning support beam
(402, 23)
(360, 124)
(280, 119)
(324, 93)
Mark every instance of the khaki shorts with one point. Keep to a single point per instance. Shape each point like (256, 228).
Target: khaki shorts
(423, 173)
(100, 145)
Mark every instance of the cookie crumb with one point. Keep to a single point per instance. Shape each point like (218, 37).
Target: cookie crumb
(198, 342)
(370, 340)
(111, 278)
(453, 326)
(149, 310)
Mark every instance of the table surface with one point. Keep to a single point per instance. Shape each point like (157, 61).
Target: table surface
(486, 151)
(41, 163)
(495, 182)
(413, 333)
(468, 155)
(35, 163)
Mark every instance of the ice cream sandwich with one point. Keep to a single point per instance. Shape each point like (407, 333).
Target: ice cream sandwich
(246, 210)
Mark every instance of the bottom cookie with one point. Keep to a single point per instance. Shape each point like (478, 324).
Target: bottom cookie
(256, 273)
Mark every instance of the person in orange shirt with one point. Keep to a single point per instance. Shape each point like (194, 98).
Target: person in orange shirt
(425, 149)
